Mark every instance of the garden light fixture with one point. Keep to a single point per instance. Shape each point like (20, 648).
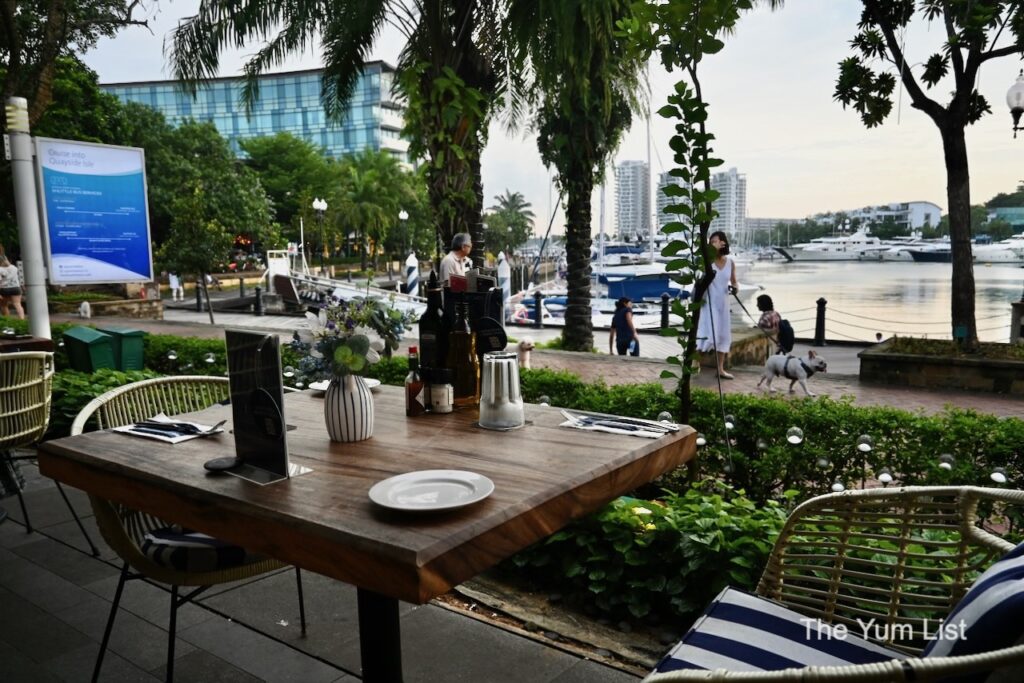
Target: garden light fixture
(1015, 101)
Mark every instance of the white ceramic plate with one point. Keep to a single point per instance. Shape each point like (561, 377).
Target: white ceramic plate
(430, 490)
(321, 387)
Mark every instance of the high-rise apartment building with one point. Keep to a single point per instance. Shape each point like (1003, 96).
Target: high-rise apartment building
(731, 204)
(661, 200)
(633, 200)
(288, 102)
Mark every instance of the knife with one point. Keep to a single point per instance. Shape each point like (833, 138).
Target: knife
(155, 432)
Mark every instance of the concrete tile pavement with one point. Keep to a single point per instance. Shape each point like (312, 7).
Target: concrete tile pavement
(55, 598)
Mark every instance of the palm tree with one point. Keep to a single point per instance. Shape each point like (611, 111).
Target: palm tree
(444, 38)
(509, 223)
(362, 205)
(585, 80)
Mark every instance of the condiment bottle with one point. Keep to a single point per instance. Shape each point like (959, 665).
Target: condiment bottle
(414, 398)
(442, 394)
(462, 359)
(433, 335)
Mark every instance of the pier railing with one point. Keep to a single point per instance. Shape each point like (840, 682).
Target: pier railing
(822, 322)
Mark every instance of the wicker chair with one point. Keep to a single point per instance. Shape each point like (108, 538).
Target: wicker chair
(26, 379)
(904, 557)
(126, 530)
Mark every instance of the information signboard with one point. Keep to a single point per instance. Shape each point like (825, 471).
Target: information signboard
(95, 212)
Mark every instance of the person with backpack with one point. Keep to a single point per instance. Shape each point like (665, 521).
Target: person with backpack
(777, 329)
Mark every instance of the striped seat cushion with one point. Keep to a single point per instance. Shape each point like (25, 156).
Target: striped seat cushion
(190, 551)
(989, 617)
(743, 632)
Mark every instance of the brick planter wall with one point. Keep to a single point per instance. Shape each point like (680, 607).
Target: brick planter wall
(143, 309)
(934, 372)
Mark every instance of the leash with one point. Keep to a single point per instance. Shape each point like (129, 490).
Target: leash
(763, 331)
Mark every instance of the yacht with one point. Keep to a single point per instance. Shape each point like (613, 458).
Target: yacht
(844, 248)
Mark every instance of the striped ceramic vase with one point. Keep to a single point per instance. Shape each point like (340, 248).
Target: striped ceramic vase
(348, 409)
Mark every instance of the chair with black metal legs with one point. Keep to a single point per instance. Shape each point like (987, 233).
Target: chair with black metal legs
(26, 379)
(158, 549)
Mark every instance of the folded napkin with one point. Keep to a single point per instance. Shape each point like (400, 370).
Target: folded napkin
(643, 433)
(167, 435)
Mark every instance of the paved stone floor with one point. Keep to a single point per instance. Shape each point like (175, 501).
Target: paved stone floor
(55, 597)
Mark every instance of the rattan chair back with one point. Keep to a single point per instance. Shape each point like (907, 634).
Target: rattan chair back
(125, 529)
(26, 379)
(902, 557)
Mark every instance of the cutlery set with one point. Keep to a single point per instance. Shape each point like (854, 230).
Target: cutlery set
(626, 424)
(174, 429)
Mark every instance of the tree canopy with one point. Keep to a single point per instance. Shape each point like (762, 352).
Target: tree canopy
(35, 34)
(969, 34)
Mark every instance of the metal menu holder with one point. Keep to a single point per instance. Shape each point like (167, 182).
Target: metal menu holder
(257, 406)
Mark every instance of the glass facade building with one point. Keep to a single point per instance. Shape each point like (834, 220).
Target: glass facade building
(287, 102)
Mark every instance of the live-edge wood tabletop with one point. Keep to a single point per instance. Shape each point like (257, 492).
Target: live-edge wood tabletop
(544, 476)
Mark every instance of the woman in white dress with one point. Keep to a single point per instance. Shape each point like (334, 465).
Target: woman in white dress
(714, 331)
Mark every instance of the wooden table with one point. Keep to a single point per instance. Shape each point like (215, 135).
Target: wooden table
(544, 476)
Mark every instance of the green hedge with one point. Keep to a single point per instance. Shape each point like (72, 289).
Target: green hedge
(692, 541)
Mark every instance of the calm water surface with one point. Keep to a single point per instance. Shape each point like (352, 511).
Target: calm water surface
(891, 298)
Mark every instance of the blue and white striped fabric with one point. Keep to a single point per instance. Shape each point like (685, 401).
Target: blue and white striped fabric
(990, 616)
(743, 632)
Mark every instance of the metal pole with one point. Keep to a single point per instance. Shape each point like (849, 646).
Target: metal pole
(320, 219)
(29, 233)
(664, 310)
(257, 307)
(819, 323)
(538, 311)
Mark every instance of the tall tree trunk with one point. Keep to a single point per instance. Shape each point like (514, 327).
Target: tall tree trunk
(578, 334)
(958, 194)
(474, 211)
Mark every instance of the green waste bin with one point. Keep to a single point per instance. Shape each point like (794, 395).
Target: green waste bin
(128, 347)
(88, 349)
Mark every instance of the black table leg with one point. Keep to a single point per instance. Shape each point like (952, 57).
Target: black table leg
(380, 638)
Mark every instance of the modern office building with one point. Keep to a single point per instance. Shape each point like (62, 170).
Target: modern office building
(731, 204)
(910, 216)
(1014, 215)
(633, 200)
(288, 102)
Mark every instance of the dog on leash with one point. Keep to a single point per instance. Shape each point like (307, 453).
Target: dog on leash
(792, 368)
(523, 349)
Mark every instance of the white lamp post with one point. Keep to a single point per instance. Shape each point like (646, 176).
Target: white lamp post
(320, 206)
(1015, 101)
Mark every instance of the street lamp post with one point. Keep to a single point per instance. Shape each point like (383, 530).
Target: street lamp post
(320, 206)
(1015, 101)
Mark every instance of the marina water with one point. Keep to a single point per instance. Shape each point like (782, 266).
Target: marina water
(906, 299)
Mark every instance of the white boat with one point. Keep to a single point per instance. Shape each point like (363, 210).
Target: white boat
(844, 248)
(901, 246)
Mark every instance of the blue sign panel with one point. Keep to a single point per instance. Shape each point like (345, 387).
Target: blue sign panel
(95, 212)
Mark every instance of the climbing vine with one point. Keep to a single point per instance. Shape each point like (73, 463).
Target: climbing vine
(683, 32)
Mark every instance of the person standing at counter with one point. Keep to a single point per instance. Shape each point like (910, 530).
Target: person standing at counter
(454, 262)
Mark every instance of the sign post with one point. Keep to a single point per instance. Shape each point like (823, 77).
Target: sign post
(28, 217)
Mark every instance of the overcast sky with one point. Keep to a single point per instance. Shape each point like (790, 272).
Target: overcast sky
(772, 111)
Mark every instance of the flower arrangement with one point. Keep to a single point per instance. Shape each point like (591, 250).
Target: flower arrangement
(347, 336)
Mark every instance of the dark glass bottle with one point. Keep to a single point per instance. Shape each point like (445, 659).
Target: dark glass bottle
(462, 359)
(414, 394)
(433, 333)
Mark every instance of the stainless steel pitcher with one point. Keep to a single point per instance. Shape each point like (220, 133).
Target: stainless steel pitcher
(501, 401)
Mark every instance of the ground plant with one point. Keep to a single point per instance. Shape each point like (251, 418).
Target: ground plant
(668, 549)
